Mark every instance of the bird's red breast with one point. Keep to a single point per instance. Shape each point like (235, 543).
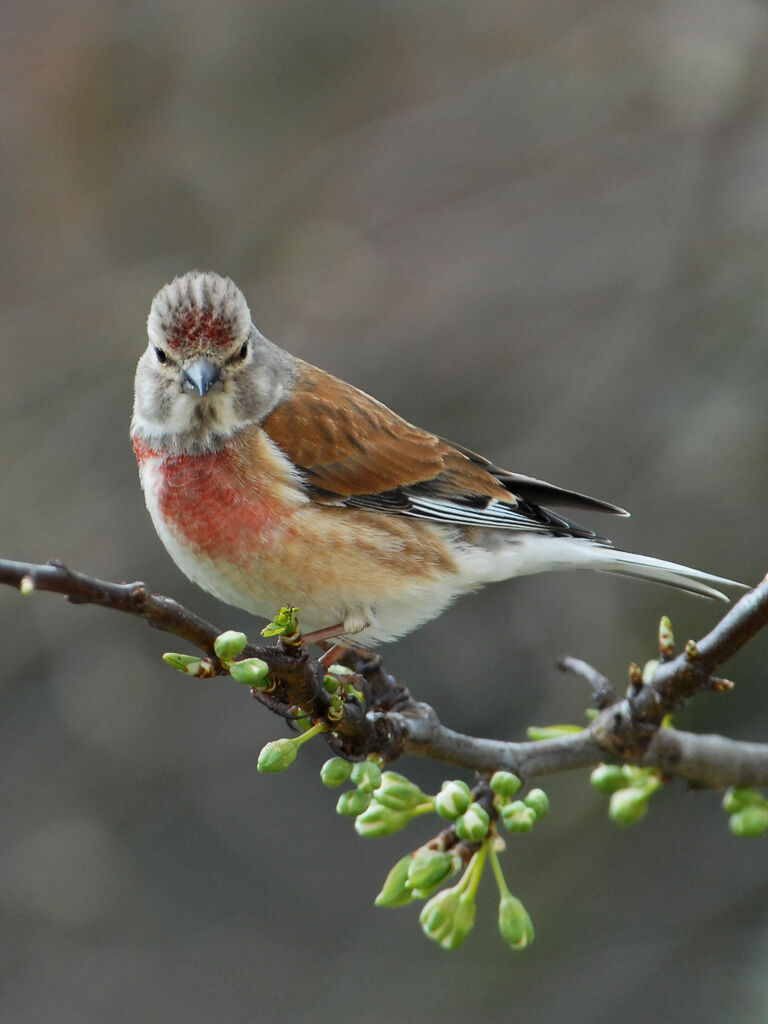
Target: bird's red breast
(215, 501)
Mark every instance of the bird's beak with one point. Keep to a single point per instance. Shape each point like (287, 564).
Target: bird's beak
(201, 374)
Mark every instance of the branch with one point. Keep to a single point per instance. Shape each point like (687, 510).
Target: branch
(392, 723)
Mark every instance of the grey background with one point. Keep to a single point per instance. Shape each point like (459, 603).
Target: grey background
(538, 228)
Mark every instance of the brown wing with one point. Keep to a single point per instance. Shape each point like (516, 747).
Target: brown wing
(348, 444)
(353, 450)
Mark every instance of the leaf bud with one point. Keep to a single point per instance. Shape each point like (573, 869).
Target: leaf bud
(228, 645)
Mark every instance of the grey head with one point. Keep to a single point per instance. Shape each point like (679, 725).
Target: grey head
(207, 371)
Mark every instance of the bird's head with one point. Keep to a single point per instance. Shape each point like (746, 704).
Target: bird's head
(207, 372)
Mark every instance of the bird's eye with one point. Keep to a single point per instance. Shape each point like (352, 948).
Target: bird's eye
(243, 351)
(161, 356)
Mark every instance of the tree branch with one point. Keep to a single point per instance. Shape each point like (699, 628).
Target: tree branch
(392, 723)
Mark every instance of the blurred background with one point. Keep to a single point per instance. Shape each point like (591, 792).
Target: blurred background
(538, 228)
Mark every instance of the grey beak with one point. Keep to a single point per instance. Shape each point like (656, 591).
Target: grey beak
(201, 374)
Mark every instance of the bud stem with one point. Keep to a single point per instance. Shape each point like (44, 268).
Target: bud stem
(317, 728)
(498, 874)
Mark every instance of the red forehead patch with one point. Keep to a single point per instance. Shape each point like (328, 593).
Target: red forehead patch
(195, 328)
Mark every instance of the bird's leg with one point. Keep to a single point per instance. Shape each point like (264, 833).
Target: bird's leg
(350, 626)
(326, 633)
(332, 655)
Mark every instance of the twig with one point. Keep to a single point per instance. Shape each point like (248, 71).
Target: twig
(603, 694)
(393, 723)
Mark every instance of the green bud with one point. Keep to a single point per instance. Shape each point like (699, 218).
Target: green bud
(251, 672)
(394, 892)
(339, 670)
(352, 693)
(538, 801)
(228, 645)
(285, 623)
(607, 778)
(637, 776)
(505, 784)
(277, 756)
(353, 802)
(628, 806)
(335, 771)
(515, 925)
(379, 820)
(739, 797)
(448, 917)
(750, 823)
(429, 868)
(516, 817)
(366, 775)
(473, 825)
(453, 799)
(398, 793)
(189, 664)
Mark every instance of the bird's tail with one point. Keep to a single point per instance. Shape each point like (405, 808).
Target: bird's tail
(625, 563)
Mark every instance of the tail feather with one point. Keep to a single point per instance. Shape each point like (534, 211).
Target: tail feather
(694, 581)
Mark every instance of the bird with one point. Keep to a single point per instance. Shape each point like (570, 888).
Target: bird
(274, 483)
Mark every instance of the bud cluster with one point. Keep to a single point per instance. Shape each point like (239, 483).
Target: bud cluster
(630, 789)
(382, 802)
(251, 672)
(449, 914)
(340, 690)
(517, 815)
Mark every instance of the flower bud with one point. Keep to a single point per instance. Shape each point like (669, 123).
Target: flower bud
(607, 778)
(453, 799)
(353, 802)
(505, 784)
(473, 825)
(251, 672)
(448, 917)
(515, 925)
(739, 797)
(335, 771)
(366, 775)
(628, 806)
(394, 892)
(228, 645)
(379, 820)
(429, 868)
(398, 793)
(538, 801)
(516, 817)
(277, 756)
(750, 823)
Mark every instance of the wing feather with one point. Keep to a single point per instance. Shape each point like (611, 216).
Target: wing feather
(352, 450)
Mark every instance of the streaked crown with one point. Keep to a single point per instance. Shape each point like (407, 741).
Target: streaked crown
(199, 312)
